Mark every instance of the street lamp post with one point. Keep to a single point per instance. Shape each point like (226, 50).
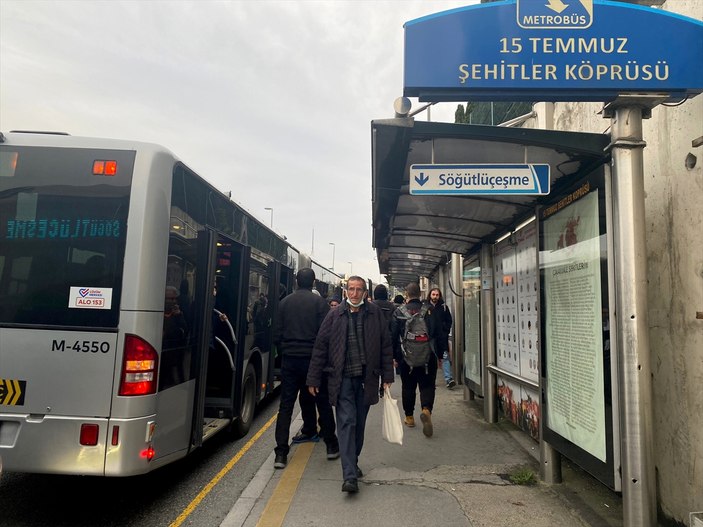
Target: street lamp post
(271, 210)
(333, 250)
(351, 268)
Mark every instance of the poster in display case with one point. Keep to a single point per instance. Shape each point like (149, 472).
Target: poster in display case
(576, 384)
(516, 279)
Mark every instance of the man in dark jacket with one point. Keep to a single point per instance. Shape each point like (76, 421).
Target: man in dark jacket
(443, 322)
(297, 322)
(353, 348)
(422, 377)
(380, 298)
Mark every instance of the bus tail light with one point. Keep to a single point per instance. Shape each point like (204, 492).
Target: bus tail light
(139, 368)
(89, 434)
(148, 453)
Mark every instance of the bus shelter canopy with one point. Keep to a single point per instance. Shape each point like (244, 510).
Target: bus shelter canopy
(414, 234)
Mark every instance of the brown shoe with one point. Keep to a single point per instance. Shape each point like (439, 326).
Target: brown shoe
(410, 421)
(426, 418)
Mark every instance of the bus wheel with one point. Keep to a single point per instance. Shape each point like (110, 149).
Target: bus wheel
(241, 426)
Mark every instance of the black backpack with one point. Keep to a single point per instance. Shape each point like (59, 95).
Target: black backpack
(415, 340)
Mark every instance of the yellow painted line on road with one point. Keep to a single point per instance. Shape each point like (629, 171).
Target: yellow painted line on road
(277, 506)
(214, 481)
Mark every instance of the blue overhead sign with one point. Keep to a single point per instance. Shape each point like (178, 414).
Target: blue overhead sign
(479, 179)
(552, 50)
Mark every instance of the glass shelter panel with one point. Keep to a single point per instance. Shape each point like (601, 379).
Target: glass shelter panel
(472, 325)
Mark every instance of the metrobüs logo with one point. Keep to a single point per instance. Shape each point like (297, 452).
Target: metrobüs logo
(554, 14)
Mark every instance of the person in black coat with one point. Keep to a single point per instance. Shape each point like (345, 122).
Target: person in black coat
(443, 322)
(298, 321)
(380, 298)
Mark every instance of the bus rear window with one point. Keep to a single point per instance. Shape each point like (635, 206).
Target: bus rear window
(62, 236)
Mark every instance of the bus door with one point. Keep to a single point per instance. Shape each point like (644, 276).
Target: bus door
(267, 348)
(219, 368)
(285, 280)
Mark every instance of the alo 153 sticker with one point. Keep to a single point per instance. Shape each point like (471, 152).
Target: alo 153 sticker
(90, 298)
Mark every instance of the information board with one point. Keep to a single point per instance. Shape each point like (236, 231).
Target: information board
(575, 358)
(517, 315)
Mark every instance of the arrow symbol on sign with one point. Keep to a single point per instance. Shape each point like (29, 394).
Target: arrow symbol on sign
(556, 5)
(422, 179)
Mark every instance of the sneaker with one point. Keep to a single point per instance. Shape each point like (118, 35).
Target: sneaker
(350, 485)
(281, 461)
(410, 421)
(332, 451)
(305, 438)
(426, 418)
(451, 384)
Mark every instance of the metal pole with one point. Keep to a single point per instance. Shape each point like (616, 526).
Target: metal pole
(458, 330)
(630, 258)
(488, 335)
(333, 250)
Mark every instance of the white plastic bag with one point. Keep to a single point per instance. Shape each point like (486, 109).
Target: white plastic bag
(392, 426)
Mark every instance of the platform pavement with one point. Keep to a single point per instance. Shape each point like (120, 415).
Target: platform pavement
(458, 477)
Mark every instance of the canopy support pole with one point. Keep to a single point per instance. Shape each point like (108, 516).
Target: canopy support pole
(630, 259)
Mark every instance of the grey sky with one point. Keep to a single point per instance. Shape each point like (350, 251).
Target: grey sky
(271, 100)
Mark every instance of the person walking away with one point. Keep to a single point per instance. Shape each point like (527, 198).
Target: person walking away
(353, 347)
(380, 298)
(443, 322)
(297, 322)
(413, 338)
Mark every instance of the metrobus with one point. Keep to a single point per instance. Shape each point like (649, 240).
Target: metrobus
(136, 307)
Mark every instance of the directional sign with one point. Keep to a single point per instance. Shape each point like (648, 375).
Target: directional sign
(479, 179)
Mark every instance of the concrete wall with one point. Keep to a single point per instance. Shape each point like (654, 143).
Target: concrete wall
(674, 215)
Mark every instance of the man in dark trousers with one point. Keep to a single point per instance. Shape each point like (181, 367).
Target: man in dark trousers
(418, 376)
(297, 323)
(353, 348)
(443, 323)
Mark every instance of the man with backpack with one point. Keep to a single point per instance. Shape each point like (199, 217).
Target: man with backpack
(413, 335)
